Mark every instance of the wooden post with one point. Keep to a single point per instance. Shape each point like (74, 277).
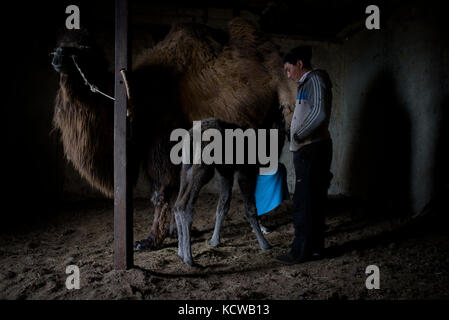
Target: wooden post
(123, 209)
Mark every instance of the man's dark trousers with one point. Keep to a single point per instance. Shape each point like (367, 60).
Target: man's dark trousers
(312, 167)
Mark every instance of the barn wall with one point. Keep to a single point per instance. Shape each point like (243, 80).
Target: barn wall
(388, 131)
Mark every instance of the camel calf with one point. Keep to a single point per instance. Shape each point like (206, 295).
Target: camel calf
(195, 176)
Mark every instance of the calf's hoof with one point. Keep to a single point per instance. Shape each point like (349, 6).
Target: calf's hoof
(189, 262)
(266, 247)
(213, 243)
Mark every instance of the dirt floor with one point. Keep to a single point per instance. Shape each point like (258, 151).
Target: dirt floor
(412, 255)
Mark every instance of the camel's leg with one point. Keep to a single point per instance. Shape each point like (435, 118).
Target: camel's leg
(193, 178)
(184, 188)
(158, 231)
(184, 218)
(172, 229)
(180, 234)
(170, 196)
(226, 180)
(247, 182)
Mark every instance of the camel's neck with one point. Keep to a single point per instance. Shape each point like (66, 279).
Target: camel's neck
(77, 83)
(85, 120)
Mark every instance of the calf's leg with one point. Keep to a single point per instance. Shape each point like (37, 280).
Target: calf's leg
(226, 179)
(193, 178)
(247, 182)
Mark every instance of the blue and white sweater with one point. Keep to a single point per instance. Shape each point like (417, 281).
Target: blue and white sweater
(310, 120)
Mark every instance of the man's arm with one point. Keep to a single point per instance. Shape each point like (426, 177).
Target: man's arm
(317, 115)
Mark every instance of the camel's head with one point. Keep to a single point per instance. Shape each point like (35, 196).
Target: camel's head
(72, 46)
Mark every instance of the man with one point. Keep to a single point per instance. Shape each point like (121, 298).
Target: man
(311, 145)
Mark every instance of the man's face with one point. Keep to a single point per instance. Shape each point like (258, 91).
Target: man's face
(294, 71)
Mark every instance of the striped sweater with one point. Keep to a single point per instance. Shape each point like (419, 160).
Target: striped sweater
(310, 120)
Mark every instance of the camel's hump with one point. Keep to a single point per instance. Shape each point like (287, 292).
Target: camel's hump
(191, 45)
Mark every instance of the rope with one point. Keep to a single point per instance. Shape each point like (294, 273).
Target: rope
(129, 111)
(125, 81)
(92, 87)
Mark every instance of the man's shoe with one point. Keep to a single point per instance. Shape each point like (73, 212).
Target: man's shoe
(288, 259)
(316, 255)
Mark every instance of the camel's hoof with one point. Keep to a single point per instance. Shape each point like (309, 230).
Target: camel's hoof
(213, 243)
(266, 247)
(194, 265)
(145, 244)
(189, 262)
(172, 233)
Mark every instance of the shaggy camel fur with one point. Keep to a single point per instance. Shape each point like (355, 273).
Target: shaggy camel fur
(196, 72)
